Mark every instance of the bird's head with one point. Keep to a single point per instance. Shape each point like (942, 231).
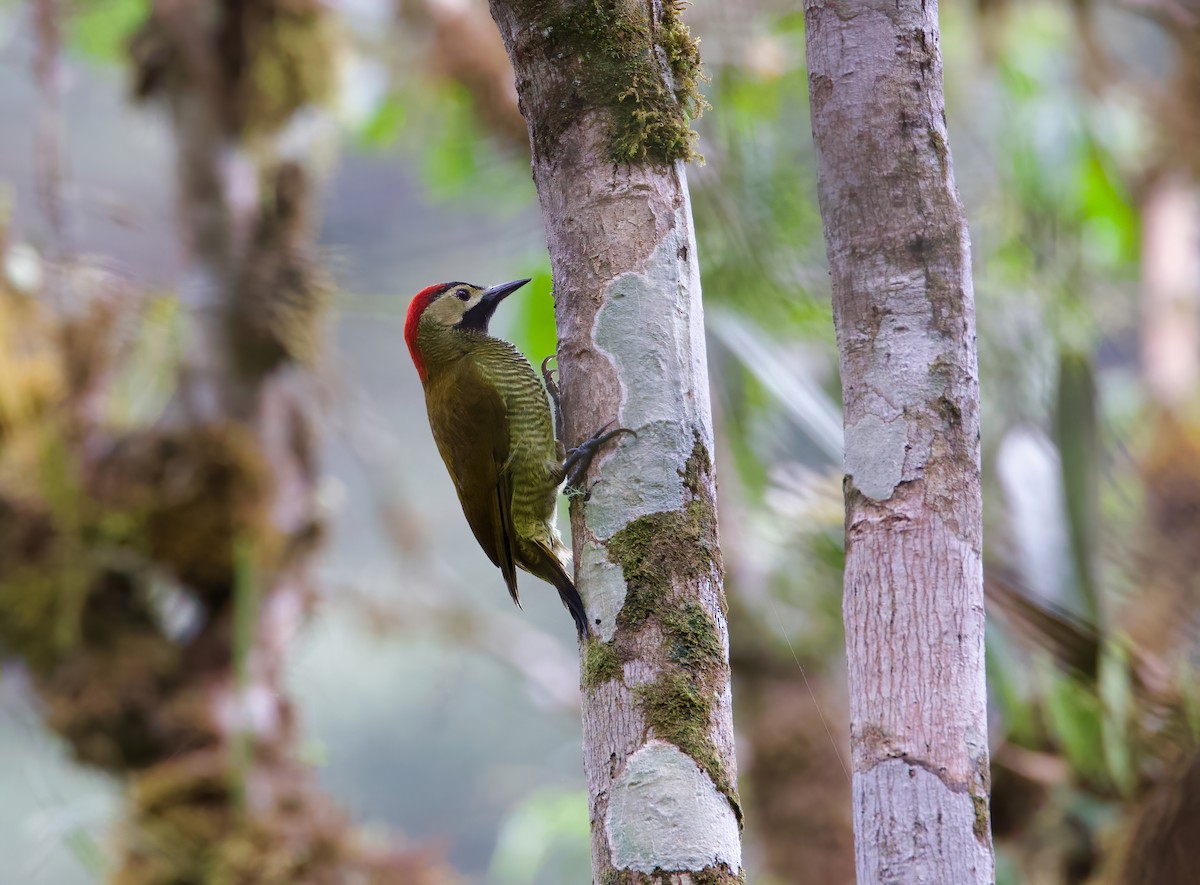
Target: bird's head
(460, 306)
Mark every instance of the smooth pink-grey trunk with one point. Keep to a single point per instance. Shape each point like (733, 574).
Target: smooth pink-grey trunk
(899, 256)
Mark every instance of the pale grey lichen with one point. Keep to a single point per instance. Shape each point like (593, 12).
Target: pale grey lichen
(885, 443)
(647, 326)
(900, 369)
(603, 584)
(648, 472)
(665, 813)
(875, 455)
(892, 795)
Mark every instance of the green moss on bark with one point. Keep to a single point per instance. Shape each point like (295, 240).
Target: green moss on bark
(271, 58)
(601, 663)
(660, 549)
(83, 547)
(983, 819)
(679, 711)
(655, 549)
(717, 876)
(188, 826)
(644, 75)
(658, 554)
(655, 552)
(692, 638)
(194, 492)
(291, 65)
(981, 791)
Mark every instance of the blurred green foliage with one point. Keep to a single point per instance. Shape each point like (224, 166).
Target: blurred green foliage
(100, 29)
(757, 223)
(533, 330)
(381, 128)
(435, 123)
(545, 839)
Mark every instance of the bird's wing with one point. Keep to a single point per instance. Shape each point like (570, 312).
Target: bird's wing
(470, 426)
(506, 544)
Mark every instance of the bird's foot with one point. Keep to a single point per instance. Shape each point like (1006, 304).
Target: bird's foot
(579, 459)
(549, 376)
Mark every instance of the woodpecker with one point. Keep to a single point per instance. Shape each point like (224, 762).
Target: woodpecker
(491, 420)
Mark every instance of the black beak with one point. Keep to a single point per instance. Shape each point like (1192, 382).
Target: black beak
(496, 294)
(477, 318)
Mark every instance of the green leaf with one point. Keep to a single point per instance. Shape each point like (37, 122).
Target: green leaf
(100, 29)
(1111, 227)
(1116, 691)
(1077, 430)
(535, 333)
(790, 23)
(1074, 718)
(384, 126)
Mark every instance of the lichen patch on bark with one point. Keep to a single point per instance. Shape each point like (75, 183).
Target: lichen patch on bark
(894, 793)
(665, 814)
(638, 324)
(648, 481)
(602, 586)
(875, 455)
(679, 711)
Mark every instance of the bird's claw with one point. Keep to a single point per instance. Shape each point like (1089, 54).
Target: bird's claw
(548, 376)
(551, 381)
(579, 459)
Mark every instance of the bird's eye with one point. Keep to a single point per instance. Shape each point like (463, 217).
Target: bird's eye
(462, 293)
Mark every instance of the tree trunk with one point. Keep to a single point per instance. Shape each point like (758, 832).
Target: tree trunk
(256, 295)
(606, 89)
(1170, 300)
(151, 578)
(899, 255)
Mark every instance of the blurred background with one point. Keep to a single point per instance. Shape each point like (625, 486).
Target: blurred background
(427, 704)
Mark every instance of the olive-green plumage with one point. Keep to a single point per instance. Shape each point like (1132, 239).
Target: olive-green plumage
(491, 420)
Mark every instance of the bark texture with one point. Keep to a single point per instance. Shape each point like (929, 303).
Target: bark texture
(899, 255)
(601, 84)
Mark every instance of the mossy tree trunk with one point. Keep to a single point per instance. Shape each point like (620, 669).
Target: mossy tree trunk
(231, 76)
(211, 508)
(607, 89)
(899, 255)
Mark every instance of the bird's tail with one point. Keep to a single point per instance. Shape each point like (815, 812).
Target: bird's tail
(553, 571)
